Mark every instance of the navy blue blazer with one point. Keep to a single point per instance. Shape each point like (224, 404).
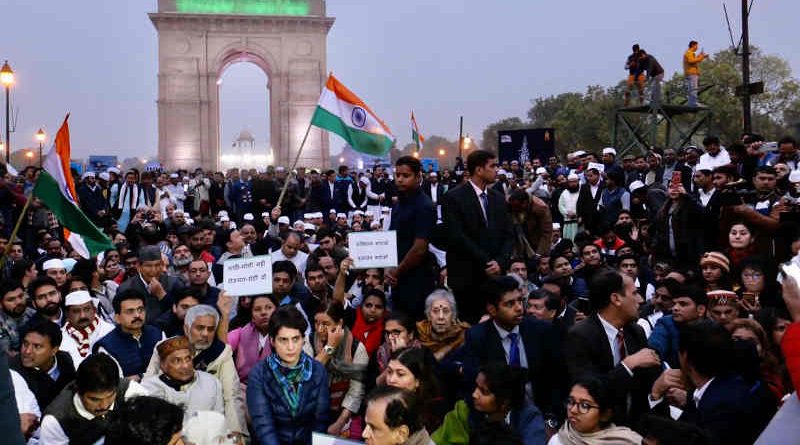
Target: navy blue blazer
(542, 342)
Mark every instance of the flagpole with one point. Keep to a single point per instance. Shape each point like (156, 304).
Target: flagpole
(16, 229)
(294, 165)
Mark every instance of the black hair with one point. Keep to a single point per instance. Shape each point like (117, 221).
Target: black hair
(333, 309)
(692, 43)
(666, 431)
(506, 383)
(46, 328)
(552, 260)
(343, 168)
(494, 289)
(186, 292)
(768, 169)
(787, 140)
(376, 293)
(286, 317)
(98, 372)
(421, 363)
(401, 407)
(324, 232)
(601, 391)
(628, 256)
(19, 269)
(411, 162)
(710, 140)
(519, 194)
(7, 286)
(602, 285)
(270, 297)
(694, 292)
(671, 284)
(708, 347)
(313, 267)
(126, 295)
(494, 433)
(404, 320)
(478, 158)
(285, 266)
(40, 281)
(144, 419)
(84, 269)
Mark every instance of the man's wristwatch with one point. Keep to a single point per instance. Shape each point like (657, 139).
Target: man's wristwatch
(328, 349)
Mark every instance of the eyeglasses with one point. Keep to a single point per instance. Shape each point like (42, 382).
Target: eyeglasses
(583, 407)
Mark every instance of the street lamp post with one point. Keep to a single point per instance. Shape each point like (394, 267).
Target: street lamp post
(461, 137)
(40, 136)
(7, 79)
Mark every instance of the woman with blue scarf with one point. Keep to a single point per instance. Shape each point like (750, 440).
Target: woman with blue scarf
(287, 393)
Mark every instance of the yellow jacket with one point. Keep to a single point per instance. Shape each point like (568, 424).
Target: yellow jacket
(691, 63)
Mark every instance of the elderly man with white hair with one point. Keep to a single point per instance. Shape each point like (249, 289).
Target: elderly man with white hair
(214, 357)
(441, 331)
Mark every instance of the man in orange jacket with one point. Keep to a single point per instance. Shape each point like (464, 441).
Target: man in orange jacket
(691, 70)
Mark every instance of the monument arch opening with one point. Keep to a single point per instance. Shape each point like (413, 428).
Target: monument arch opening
(199, 39)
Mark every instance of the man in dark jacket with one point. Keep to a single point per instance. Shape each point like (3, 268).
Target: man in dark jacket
(151, 282)
(45, 369)
(480, 233)
(131, 342)
(91, 198)
(610, 342)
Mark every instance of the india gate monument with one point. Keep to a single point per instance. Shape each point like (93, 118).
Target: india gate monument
(199, 39)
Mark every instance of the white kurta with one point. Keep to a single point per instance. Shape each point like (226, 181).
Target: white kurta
(70, 346)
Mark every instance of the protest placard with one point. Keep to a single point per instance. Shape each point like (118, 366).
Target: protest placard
(243, 277)
(324, 439)
(373, 249)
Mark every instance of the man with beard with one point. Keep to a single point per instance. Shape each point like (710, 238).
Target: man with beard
(210, 355)
(321, 291)
(13, 316)
(152, 282)
(79, 414)
(46, 299)
(83, 327)
(568, 207)
(131, 342)
(256, 246)
(198, 245)
(199, 273)
(181, 258)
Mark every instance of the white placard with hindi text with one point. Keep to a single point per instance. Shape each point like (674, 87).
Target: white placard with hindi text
(242, 277)
(373, 249)
(324, 439)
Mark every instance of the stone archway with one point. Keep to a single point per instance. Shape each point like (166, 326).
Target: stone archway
(198, 39)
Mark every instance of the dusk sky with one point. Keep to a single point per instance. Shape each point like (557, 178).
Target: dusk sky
(485, 60)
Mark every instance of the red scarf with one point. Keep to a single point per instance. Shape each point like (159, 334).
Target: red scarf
(81, 336)
(370, 334)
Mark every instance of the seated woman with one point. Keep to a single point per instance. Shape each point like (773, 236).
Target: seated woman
(756, 290)
(400, 332)
(441, 331)
(498, 398)
(573, 287)
(741, 243)
(716, 270)
(366, 322)
(250, 343)
(346, 360)
(287, 393)
(589, 412)
(769, 368)
(414, 369)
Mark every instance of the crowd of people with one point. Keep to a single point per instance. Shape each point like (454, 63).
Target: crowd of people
(589, 300)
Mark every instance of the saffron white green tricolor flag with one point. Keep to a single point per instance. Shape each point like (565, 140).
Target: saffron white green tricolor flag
(418, 138)
(342, 112)
(56, 189)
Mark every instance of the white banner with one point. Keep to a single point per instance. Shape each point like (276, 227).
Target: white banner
(243, 277)
(373, 249)
(324, 439)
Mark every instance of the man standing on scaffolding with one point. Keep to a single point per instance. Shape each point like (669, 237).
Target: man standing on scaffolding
(691, 70)
(635, 75)
(655, 75)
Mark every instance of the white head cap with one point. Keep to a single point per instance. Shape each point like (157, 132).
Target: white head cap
(556, 226)
(173, 176)
(104, 176)
(610, 151)
(636, 185)
(248, 217)
(595, 166)
(88, 174)
(573, 177)
(77, 298)
(341, 215)
(541, 171)
(284, 220)
(222, 213)
(53, 264)
(224, 218)
(794, 176)
(579, 153)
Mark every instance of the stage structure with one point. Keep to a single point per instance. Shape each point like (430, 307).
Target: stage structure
(670, 124)
(199, 39)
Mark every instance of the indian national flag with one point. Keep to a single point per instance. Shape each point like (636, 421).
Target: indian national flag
(342, 112)
(56, 189)
(418, 138)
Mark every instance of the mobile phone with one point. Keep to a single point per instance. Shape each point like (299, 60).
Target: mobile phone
(677, 179)
(750, 297)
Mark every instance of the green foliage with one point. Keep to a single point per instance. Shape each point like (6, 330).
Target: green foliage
(584, 119)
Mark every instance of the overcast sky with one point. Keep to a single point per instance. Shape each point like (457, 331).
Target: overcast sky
(485, 60)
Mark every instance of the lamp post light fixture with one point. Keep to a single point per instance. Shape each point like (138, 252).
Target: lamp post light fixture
(7, 79)
(40, 137)
(29, 155)
(467, 141)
